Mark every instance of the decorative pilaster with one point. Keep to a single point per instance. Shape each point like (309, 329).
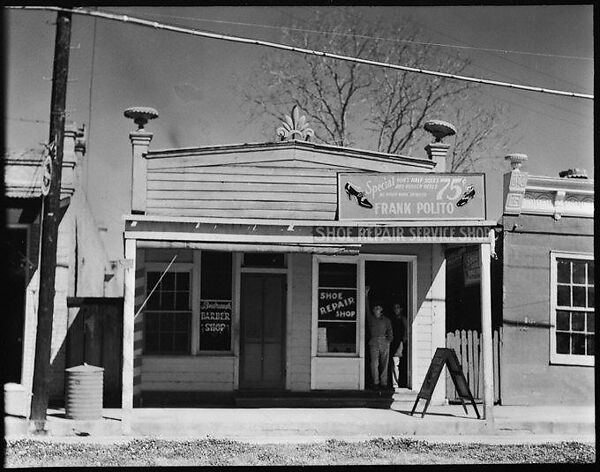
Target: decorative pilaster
(140, 143)
(514, 184)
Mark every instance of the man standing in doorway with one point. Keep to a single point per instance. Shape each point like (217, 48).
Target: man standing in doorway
(380, 337)
(399, 326)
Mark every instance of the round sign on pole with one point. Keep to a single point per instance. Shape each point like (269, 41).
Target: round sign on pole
(47, 174)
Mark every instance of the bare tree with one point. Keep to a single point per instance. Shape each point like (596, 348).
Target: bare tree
(350, 104)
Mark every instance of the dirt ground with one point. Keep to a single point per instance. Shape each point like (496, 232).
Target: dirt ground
(212, 452)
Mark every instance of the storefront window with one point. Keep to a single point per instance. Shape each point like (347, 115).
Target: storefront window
(573, 309)
(216, 301)
(168, 314)
(337, 308)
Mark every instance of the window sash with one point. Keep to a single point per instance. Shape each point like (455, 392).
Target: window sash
(176, 268)
(355, 321)
(570, 358)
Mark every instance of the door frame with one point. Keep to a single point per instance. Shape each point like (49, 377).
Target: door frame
(411, 309)
(238, 269)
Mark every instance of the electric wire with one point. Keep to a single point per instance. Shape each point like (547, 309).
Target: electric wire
(397, 40)
(236, 39)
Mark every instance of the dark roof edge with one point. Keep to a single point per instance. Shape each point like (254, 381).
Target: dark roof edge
(294, 144)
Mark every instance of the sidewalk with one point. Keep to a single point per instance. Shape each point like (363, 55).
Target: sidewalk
(441, 423)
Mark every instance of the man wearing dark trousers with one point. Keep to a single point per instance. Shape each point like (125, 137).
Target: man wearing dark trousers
(380, 337)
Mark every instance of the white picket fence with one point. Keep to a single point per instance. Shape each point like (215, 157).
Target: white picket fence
(467, 345)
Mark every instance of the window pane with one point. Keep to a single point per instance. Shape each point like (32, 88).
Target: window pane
(563, 272)
(166, 341)
(579, 272)
(337, 275)
(563, 320)
(181, 322)
(563, 341)
(578, 321)
(182, 301)
(181, 342)
(579, 296)
(590, 322)
(590, 300)
(183, 281)
(151, 321)
(589, 342)
(168, 281)
(578, 344)
(564, 295)
(590, 265)
(167, 301)
(154, 301)
(151, 278)
(336, 337)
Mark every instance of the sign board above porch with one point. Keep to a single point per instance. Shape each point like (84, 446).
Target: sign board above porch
(411, 196)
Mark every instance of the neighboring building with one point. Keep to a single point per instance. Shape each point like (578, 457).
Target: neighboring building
(548, 312)
(82, 270)
(247, 264)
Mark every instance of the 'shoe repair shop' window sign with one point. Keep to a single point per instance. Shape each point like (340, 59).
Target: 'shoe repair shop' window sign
(414, 196)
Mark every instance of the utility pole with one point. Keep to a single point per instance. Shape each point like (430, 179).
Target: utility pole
(50, 222)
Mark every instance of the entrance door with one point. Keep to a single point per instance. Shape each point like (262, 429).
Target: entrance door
(262, 313)
(388, 281)
(14, 304)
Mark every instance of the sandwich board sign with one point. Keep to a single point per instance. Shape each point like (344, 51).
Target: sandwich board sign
(445, 356)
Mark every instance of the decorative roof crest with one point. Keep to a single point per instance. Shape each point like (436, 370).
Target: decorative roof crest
(295, 125)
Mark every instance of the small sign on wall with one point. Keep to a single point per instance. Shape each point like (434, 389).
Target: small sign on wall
(471, 267)
(215, 325)
(411, 196)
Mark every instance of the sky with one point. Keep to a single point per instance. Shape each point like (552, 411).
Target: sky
(194, 82)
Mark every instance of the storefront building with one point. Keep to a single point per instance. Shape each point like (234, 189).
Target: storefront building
(247, 265)
(83, 271)
(548, 288)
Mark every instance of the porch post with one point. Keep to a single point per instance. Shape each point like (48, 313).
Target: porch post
(486, 332)
(128, 323)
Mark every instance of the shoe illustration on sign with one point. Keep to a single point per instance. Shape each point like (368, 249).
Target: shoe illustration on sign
(469, 193)
(353, 191)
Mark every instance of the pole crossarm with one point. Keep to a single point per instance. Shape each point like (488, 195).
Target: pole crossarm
(258, 42)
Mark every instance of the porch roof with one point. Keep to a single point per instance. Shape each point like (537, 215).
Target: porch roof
(200, 232)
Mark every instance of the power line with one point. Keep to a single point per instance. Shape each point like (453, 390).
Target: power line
(396, 40)
(27, 120)
(235, 39)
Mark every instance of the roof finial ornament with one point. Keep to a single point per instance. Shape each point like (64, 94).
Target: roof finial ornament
(295, 125)
(141, 115)
(439, 129)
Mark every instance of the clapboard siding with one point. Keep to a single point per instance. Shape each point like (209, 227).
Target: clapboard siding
(202, 186)
(188, 373)
(246, 171)
(242, 176)
(246, 205)
(331, 373)
(240, 195)
(236, 213)
(301, 320)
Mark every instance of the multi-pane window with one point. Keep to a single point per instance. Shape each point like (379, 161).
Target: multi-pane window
(337, 308)
(168, 313)
(573, 310)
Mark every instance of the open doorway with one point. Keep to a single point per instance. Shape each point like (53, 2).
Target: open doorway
(388, 283)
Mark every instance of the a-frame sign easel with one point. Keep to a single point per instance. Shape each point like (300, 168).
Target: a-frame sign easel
(445, 356)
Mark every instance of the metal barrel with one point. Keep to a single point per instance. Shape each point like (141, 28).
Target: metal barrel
(84, 392)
